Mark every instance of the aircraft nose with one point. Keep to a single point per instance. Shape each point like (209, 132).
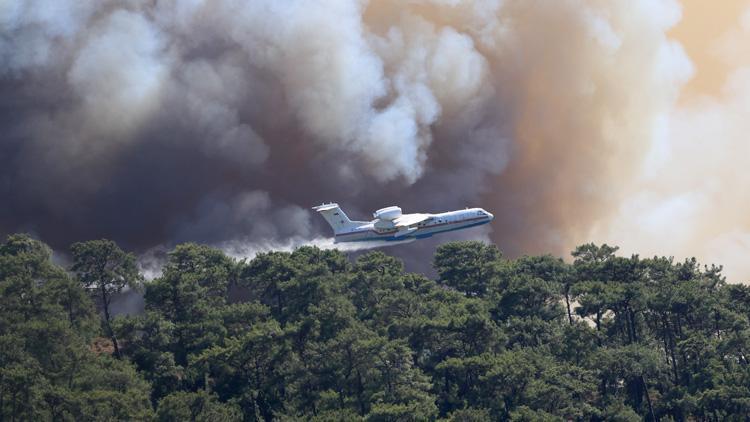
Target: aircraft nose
(489, 215)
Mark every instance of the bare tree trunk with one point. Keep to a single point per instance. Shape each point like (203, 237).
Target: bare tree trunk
(648, 400)
(567, 304)
(107, 318)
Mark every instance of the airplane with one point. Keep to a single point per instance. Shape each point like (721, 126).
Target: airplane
(390, 224)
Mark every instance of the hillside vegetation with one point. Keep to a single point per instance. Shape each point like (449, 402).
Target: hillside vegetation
(311, 335)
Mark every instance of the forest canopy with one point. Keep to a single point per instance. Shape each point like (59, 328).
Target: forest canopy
(317, 335)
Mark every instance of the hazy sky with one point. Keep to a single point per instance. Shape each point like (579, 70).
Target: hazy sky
(700, 30)
(691, 194)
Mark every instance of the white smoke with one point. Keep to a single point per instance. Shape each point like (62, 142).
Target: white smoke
(248, 250)
(118, 72)
(32, 30)
(151, 263)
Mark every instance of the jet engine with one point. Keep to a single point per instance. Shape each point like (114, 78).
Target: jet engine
(387, 213)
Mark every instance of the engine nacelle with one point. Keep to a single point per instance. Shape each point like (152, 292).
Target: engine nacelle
(387, 213)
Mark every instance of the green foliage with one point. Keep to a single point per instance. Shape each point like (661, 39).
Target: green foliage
(467, 266)
(309, 335)
(198, 407)
(48, 370)
(104, 270)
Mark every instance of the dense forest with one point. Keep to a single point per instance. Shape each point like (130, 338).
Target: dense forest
(313, 335)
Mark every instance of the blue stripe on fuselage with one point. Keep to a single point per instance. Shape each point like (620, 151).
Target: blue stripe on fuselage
(417, 236)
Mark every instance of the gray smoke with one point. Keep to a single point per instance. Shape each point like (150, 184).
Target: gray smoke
(158, 121)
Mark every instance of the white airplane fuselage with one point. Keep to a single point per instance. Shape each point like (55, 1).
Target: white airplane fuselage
(416, 226)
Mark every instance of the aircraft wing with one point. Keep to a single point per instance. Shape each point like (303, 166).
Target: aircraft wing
(407, 220)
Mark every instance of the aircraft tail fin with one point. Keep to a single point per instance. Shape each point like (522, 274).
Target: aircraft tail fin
(336, 217)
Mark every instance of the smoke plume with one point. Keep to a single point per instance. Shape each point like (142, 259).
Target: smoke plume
(155, 122)
(691, 193)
